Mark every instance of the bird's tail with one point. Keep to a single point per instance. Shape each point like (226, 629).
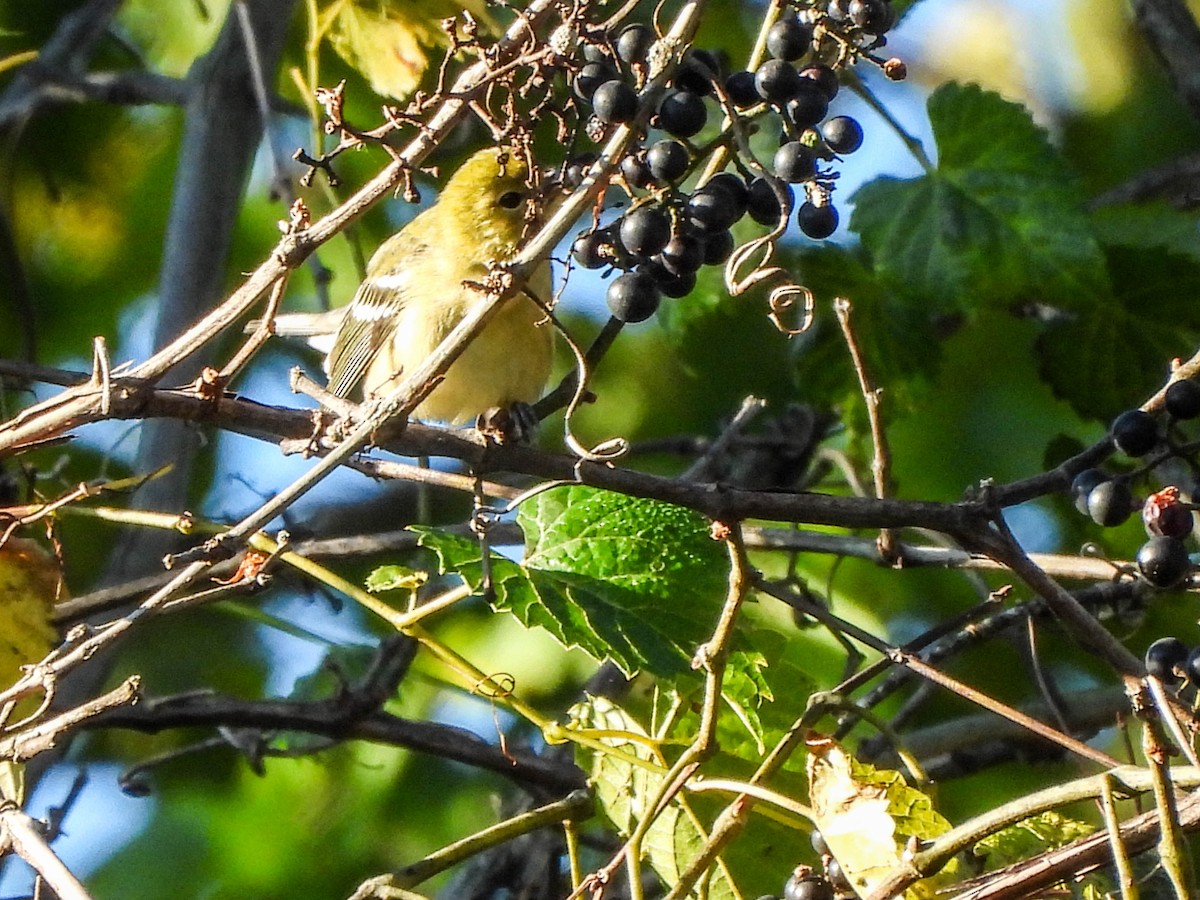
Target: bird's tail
(317, 329)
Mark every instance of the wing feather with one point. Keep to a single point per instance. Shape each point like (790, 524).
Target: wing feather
(371, 316)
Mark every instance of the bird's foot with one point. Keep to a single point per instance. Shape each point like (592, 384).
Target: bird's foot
(515, 424)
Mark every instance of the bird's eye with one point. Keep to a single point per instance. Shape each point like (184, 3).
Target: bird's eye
(511, 199)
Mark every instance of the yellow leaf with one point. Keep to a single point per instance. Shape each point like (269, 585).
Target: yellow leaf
(29, 584)
(867, 815)
(389, 43)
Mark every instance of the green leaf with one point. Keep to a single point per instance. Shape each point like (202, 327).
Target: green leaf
(625, 790)
(999, 221)
(898, 339)
(1149, 225)
(635, 581)
(1116, 351)
(1038, 834)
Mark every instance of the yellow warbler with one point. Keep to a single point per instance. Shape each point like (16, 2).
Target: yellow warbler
(417, 289)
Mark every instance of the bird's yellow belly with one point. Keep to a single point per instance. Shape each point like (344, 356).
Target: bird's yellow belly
(508, 361)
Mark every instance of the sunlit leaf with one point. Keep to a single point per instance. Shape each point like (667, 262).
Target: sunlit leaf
(635, 581)
(1000, 220)
(625, 791)
(392, 44)
(867, 816)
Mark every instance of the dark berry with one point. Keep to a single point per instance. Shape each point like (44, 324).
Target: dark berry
(843, 134)
(1135, 432)
(633, 297)
(577, 169)
(1110, 503)
(1183, 399)
(874, 16)
(590, 77)
(682, 114)
(683, 255)
(818, 222)
(645, 231)
(1164, 656)
(1163, 561)
(589, 250)
(818, 843)
(833, 871)
(795, 162)
(811, 887)
(670, 283)
(733, 187)
(741, 90)
(1082, 485)
(838, 10)
(1165, 514)
(668, 160)
(825, 77)
(633, 43)
(712, 209)
(1191, 668)
(763, 204)
(696, 73)
(614, 102)
(635, 171)
(596, 53)
(789, 39)
(808, 105)
(776, 80)
(717, 247)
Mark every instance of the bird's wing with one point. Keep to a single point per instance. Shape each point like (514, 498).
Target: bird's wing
(370, 319)
(371, 316)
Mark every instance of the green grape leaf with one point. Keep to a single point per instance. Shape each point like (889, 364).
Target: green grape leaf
(636, 581)
(867, 815)
(1148, 225)
(625, 790)
(1029, 837)
(764, 691)
(999, 221)
(1100, 359)
(899, 340)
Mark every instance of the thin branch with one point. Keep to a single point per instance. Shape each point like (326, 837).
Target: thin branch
(26, 839)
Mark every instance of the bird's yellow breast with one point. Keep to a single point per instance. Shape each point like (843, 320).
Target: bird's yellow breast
(507, 362)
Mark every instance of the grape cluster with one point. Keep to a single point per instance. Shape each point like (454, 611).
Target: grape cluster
(1163, 561)
(672, 228)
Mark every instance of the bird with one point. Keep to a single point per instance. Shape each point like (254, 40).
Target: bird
(423, 280)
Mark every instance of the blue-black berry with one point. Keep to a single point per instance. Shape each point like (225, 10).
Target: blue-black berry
(1110, 503)
(817, 222)
(1183, 400)
(667, 160)
(614, 102)
(1135, 432)
(633, 297)
(1163, 561)
(1164, 656)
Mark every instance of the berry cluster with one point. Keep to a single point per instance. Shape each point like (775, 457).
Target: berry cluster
(669, 232)
(806, 883)
(1163, 561)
